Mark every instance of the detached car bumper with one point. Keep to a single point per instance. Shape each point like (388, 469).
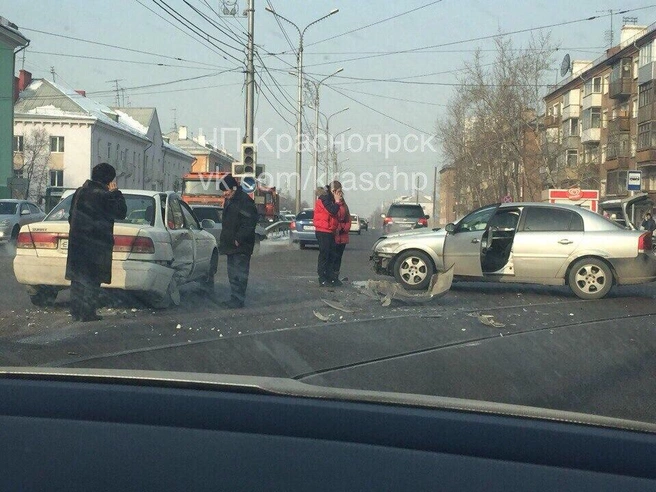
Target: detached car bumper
(138, 276)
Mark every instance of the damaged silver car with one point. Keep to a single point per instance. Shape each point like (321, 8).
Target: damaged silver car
(537, 243)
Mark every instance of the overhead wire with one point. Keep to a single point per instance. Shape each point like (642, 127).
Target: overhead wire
(282, 28)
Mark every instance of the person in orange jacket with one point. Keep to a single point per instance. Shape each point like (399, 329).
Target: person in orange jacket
(341, 232)
(325, 223)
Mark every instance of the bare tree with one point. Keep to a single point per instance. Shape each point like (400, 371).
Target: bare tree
(491, 131)
(32, 162)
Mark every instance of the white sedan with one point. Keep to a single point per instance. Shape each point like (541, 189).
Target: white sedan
(158, 247)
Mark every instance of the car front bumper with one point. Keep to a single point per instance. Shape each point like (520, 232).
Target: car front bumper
(381, 263)
(141, 276)
(5, 234)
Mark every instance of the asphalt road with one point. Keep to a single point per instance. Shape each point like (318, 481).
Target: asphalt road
(553, 350)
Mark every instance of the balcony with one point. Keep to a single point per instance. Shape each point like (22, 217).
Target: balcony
(647, 73)
(571, 111)
(617, 163)
(572, 142)
(552, 120)
(646, 157)
(620, 88)
(646, 113)
(620, 123)
(591, 135)
(591, 100)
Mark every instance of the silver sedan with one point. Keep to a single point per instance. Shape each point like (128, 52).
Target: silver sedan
(14, 214)
(536, 243)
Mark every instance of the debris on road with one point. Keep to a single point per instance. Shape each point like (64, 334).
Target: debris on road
(178, 326)
(488, 320)
(386, 290)
(320, 316)
(337, 305)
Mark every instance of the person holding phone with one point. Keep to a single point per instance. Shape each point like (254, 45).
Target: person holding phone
(341, 232)
(326, 208)
(94, 208)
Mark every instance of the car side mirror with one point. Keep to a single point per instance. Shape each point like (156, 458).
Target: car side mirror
(450, 228)
(208, 224)
(25, 212)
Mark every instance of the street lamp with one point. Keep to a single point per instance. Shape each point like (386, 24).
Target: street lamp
(299, 116)
(327, 118)
(317, 85)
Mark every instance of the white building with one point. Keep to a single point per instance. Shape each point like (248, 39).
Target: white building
(84, 133)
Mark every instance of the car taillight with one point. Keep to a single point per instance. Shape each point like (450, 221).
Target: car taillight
(645, 242)
(132, 244)
(423, 222)
(45, 240)
(292, 226)
(24, 240)
(388, 220)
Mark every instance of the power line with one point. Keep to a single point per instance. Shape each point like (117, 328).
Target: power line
(117, 47)
(470, 50)
(225, 22)
(214, 24)
(282, 28)
(394, 98)
(196, 30)
(276, 109)
(376, 23)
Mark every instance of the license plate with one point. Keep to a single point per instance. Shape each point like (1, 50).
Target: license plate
(63, 244)
(308, 228)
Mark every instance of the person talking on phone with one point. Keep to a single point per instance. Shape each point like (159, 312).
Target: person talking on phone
(94, 208)
(326, 209)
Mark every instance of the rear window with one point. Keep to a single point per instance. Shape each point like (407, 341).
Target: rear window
(549, 219)
(406, 211)
(305, 215)
(202, 213)
(141, 210)
(8, 208)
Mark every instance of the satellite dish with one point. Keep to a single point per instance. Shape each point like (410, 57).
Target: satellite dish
(565, 66)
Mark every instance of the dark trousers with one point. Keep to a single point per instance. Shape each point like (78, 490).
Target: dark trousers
(85, 293)
(238, 268)
(326, 261)
(339, 252)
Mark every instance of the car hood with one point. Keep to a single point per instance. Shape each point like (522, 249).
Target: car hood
(415, 232)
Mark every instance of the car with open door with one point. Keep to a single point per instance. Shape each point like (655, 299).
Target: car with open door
(538, 243)
(159, 246)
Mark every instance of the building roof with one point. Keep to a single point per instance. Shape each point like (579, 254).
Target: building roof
(192, 146)
(143, 116)
(10, 35)
(45, 98)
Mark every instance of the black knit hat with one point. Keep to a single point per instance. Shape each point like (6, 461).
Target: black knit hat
(103, 173)
(228, 182)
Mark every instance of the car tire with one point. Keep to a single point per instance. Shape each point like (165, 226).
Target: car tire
(14, 233)
(208, 282)
(590, 278)
(359, 232)
(413, 270)
(301, 244)
(43, 295)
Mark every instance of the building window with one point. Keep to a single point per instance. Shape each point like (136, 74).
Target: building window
(592, 86)
(56, 144)
(18, 143)
(645, 54)
(572, 158)
(606, 80)
(635, 68)
(109, 150)
(592, 118)
(604, 119)
(99, 144)
(644, 131)
(56, 178)
(644, 94)
(634, 108)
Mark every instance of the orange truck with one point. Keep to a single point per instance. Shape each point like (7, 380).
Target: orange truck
(203, 189)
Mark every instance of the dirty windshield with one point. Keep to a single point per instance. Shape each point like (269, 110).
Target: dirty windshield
(411, 197)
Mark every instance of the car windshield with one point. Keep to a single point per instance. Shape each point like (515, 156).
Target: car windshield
(7, 208)
(140, 210)
(404, 212)
(443, 198)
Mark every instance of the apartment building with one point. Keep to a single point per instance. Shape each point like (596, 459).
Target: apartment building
(598, 121)
(208, 157)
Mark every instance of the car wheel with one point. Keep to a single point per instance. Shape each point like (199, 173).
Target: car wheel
(14, 233)
(413, 270)
(590, 278)
(301, 245)
(208, 282)
(359, 232)
(43, 295)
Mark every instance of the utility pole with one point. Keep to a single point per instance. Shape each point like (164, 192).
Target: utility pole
(299, 116)
(118, 90)
(434, 216)
(250, 74)
(52, 71)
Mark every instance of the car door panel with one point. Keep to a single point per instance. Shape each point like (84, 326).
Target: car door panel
(182, 240)
(203, 243)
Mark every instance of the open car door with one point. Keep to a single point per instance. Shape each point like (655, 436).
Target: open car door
(182, 240)
(462, 247)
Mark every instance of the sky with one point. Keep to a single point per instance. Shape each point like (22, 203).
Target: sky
(392, 97)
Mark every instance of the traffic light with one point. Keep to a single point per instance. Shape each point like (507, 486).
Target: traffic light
(248, 158)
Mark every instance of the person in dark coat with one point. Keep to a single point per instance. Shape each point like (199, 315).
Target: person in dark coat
(341, 233)
(95, 206)
(648, 224)
(237, 238)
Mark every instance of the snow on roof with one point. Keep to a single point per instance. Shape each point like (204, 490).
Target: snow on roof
(131, 122)
(177, 149)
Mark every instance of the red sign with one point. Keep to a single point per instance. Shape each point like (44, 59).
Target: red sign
(507, 199)
(575, 193)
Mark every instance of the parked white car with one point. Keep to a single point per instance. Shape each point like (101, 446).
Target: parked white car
(535, 243)
(14, 214)
(158, 247)
(355, 224)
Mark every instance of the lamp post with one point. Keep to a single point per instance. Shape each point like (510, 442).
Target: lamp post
(317, 85)
(335, 153)
(327, 118)
(299, 116)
